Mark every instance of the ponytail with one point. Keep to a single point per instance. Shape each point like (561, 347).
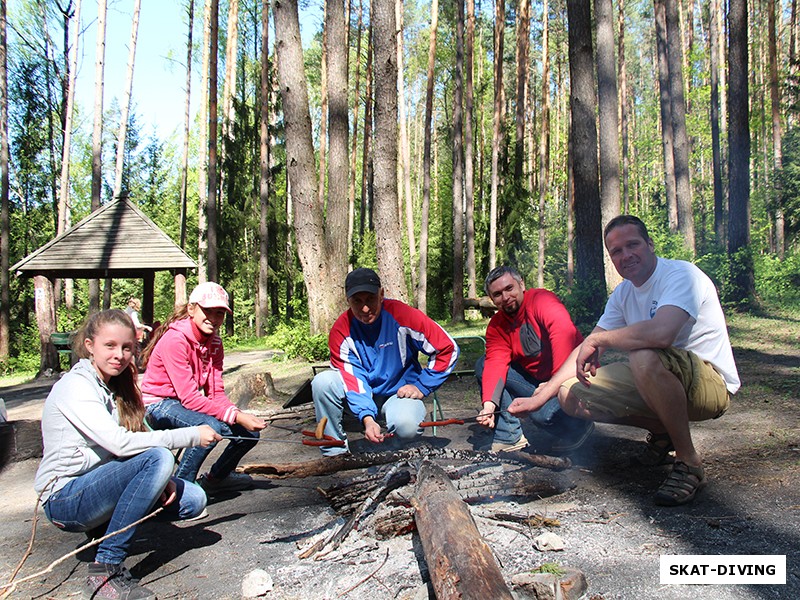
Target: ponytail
(179, 313)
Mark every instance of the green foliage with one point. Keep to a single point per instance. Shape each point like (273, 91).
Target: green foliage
(295, 341)
(585, 303)
(789, 180)
(552, 568)
(778, 281)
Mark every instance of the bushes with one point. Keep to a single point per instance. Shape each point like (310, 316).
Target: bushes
(295, 341)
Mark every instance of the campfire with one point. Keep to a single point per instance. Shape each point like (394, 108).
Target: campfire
(430, 490)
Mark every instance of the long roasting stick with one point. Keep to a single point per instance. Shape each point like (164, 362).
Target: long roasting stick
(459, 421)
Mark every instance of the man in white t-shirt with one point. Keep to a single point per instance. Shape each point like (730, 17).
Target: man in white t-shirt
(667, 316)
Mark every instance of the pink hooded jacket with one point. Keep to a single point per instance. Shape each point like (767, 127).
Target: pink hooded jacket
(181, 367)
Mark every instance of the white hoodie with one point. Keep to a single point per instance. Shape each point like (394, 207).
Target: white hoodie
(81, 430)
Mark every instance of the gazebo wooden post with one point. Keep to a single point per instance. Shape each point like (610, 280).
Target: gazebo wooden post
(180, 287)
(148, 294)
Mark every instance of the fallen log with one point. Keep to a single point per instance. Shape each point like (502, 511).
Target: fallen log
(460, 563)
(346, 462)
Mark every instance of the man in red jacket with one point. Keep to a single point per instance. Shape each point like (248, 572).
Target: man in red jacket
(527, 341)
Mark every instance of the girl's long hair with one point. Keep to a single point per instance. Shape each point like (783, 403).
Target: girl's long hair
(124, 386)
(181, 312)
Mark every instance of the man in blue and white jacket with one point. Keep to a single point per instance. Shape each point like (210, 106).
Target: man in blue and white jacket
(374, 348)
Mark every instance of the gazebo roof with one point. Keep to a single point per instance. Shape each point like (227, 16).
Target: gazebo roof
(116, 240)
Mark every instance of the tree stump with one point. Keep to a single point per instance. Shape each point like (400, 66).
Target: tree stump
(460, 562)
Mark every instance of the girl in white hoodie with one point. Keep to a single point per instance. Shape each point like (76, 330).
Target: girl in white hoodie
(100, 463)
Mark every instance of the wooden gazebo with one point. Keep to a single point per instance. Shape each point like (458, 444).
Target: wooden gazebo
(116, 241)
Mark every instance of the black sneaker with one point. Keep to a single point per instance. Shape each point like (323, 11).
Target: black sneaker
(114, 582)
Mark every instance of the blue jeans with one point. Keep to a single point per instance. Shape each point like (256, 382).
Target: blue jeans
(402, 415)
(169, 413)
(520, 383)
(121, 492)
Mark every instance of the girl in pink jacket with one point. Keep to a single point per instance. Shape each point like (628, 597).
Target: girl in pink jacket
(182, 387)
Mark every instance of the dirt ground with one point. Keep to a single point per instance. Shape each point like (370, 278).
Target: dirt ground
(611, 529)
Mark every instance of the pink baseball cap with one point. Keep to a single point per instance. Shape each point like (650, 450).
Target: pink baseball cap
(210, 295)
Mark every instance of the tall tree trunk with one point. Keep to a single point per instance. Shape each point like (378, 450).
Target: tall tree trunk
(667, 138)
(262, 310)
(5, 229)
(211, 198)
(72, 70)
(623, 108)
(588, 229)
(351, 209)
(741, 282)
(458, 171)
(777, 151)
(405, 150)
(97, 135)
(469, 159)
(46, 321)
(202, 143)
(544, 143)
(387, 227)
(324, 292)
(187, 121)
(336, 211)
(228, 113)
(523, 47)
(366, 160)
(422, 286)
(714, 67)
(497, 121)
(323, 118)
(608, 102)
(126, 103)
(680, 148)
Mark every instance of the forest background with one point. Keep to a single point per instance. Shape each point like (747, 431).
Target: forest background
(429, 140)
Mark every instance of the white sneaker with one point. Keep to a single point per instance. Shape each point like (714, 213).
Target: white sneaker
(521, 443)
(199, 517)
(234, 482)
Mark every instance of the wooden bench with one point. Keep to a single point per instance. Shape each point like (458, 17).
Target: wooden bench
(62, 340)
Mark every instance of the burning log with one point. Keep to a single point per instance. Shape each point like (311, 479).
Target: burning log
(460, 562)
(345, 462)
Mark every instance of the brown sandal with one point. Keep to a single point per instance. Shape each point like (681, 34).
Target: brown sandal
(657, 451)
(681, 486)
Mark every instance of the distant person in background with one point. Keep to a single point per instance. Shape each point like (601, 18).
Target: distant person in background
(183, 386)
(101, 468)
(133, 309)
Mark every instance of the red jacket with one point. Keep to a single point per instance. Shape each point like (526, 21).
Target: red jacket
(538, 338)
(184, 368)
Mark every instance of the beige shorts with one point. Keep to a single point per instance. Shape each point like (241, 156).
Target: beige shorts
(613, 391)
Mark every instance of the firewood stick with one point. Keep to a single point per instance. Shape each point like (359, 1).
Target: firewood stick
(388, 483)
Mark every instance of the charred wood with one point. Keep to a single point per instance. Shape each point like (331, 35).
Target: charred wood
(345, 462)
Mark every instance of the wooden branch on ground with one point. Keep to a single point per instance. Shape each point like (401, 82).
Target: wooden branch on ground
(392, 480)
(345, 462)
(460, 563)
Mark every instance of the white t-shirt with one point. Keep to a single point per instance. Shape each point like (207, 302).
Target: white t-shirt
(682, 284)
